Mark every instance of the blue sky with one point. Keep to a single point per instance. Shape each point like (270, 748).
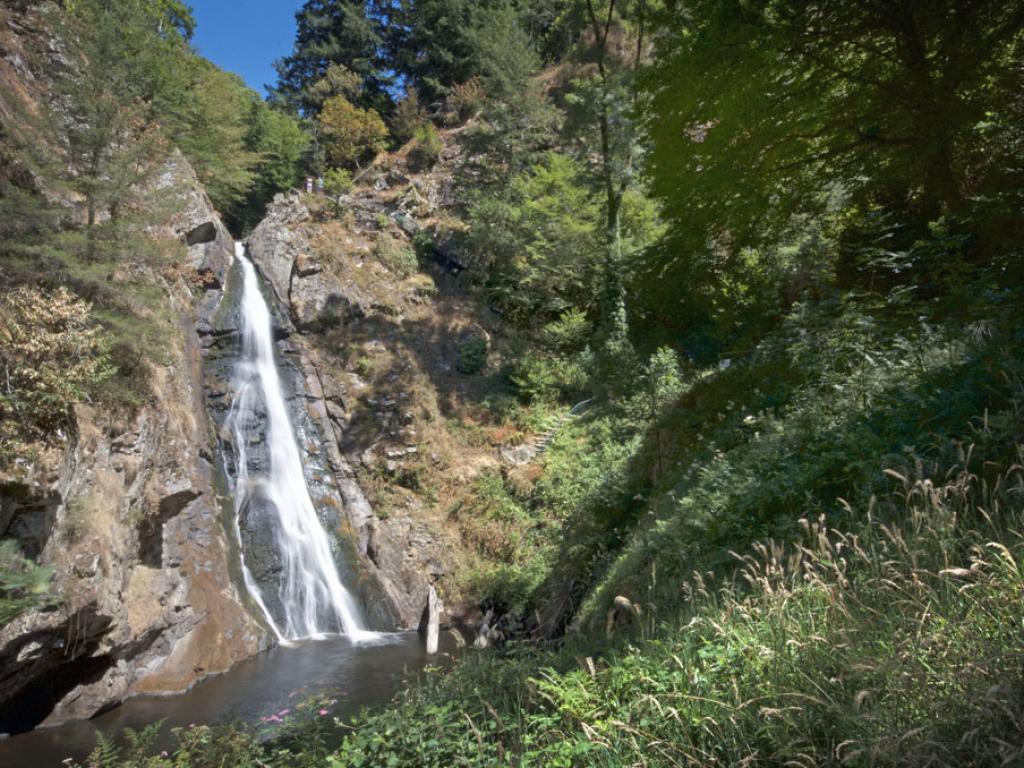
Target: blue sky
(246, 36)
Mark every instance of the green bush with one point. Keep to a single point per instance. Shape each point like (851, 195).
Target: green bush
(337, 182)
(396, 255)
(542, 377)
(471, 355)
(427, 148)
(569, 333)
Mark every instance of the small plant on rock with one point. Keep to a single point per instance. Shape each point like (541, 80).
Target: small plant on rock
(427, 149)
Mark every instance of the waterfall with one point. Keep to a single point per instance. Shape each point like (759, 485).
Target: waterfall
(311, 598)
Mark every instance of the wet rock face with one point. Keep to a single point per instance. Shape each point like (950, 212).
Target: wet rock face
(339, 503)
(259, 524)
(388, 564)
(131, 523)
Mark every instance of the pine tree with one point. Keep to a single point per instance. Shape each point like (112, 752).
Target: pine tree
(117, 56)
(346, 33)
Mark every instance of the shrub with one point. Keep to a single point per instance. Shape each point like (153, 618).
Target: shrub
(541, 377)
(427, 149)
(569, 333)
(337, 182)
(52, 354)
(467, 99)
(472, 355)
(396, 255)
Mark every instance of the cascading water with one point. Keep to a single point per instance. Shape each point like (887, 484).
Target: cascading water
(311, 600)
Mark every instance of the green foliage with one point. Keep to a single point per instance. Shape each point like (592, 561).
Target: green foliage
(541, 242)
(213, 130)
(503, 55)
(660, 383)
(338, 80)
(280, 144)
(95, 139)
(569, 333)
(337, 182)
(852, 97)
(426, 150)
(615, 359)
(23, 584)
(471, 355)
(396, 255)
(335, 40)
(350, 134)
(540, 377)
(53, 354)
(435, 51)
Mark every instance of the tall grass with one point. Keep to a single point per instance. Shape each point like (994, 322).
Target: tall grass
(897, 642)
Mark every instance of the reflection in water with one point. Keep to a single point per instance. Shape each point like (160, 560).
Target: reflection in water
(356, 675)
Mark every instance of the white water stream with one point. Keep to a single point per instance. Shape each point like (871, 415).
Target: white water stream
(313, 600)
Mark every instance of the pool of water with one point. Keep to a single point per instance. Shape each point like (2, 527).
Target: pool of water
(355, 675)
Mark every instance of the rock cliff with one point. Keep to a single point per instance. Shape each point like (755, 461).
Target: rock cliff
(133, 521)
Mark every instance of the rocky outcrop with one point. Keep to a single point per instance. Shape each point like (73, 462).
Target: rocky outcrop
(130, 518)
(340, 504)
(397, 557)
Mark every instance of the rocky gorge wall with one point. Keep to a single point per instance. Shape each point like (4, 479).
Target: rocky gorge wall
(132, 520)
(388, 572)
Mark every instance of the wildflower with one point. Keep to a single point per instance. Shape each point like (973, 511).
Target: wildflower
(164, 754)
(283, 712)
(322, 712)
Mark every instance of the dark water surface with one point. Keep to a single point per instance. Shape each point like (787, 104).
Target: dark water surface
(356, 675)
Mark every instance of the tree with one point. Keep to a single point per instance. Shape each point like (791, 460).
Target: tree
(430, 44)
(346, 33)
(756, 106)
(116, 65)
(349, 133)
(615, 106)
(440, 43)
(279, 143)
(214, 133)
(338, 80)
(540, 244)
